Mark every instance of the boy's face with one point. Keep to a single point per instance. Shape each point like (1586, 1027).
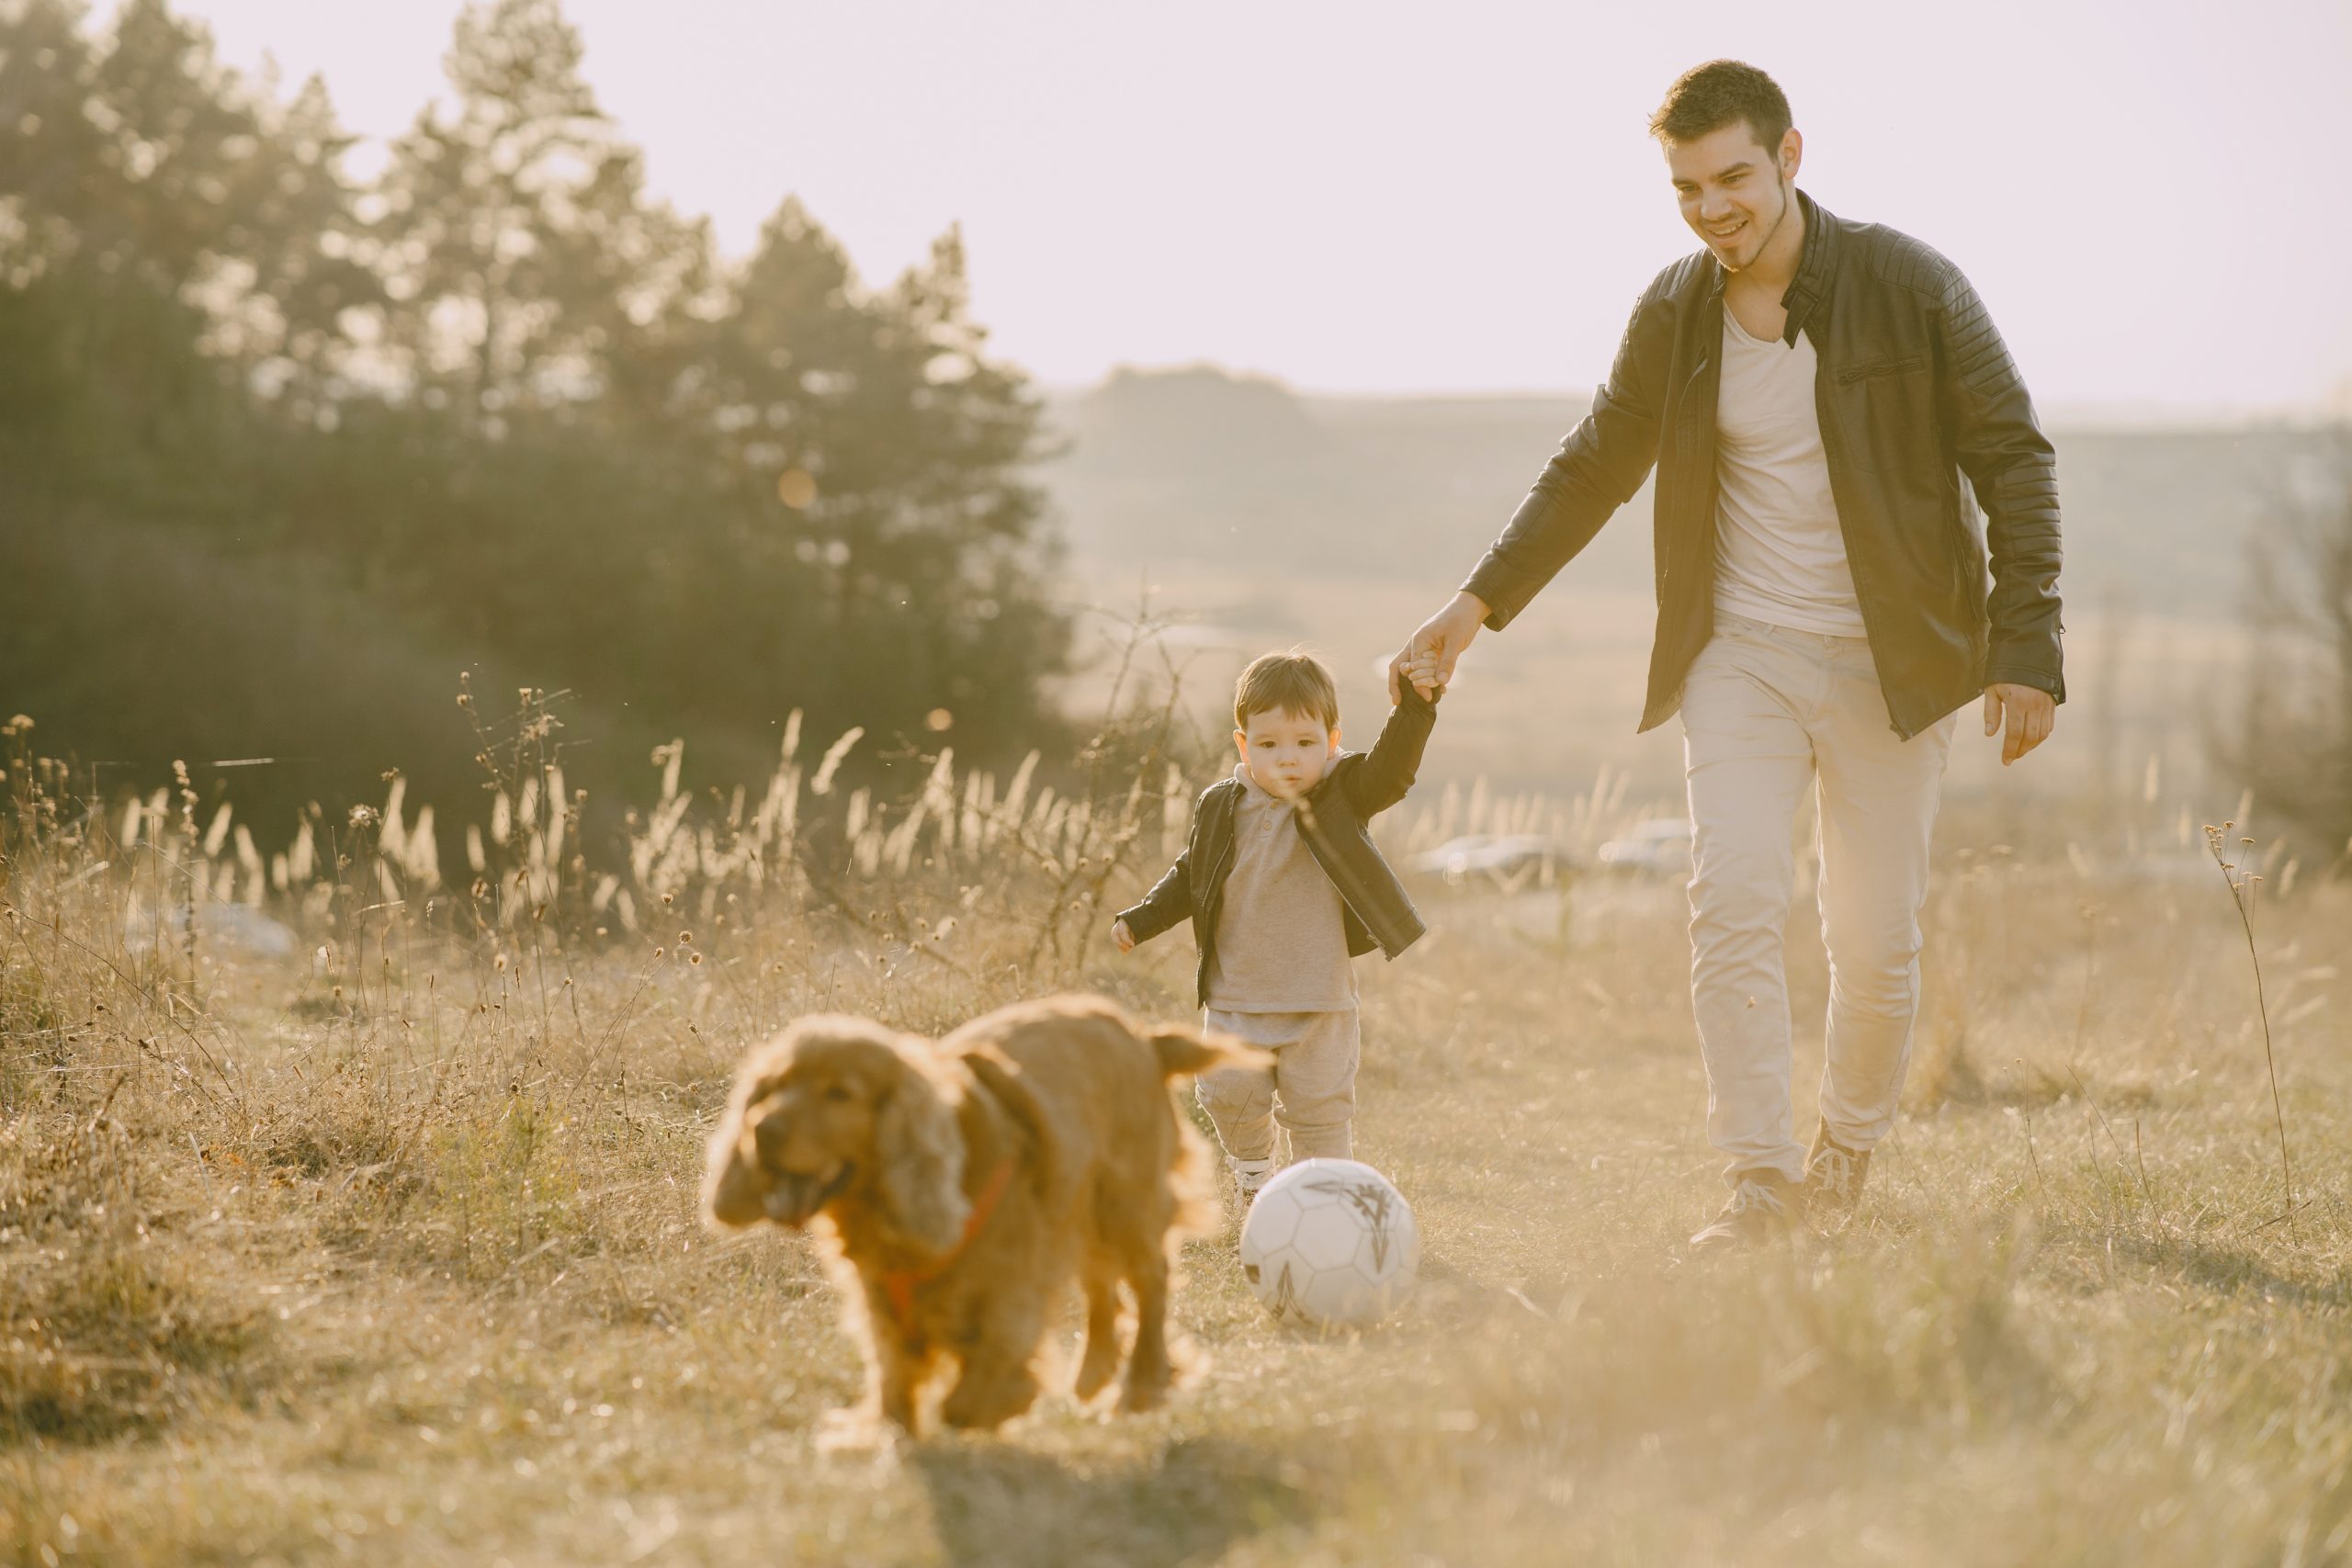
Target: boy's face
(1287, 753)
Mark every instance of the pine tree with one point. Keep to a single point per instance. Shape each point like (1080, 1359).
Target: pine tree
(875, 441)
(520, 252)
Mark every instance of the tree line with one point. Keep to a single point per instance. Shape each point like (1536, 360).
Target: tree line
(285, 447)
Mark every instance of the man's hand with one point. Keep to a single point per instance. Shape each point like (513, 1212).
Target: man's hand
(2031, 715)
(1124, 937)
(1428, 660)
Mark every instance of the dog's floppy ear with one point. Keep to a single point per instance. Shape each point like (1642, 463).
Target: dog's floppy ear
(732, 1192)
(919, 1153)
(1187, 1052)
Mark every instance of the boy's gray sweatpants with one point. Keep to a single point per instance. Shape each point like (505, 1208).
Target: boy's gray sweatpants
(1311, 1092)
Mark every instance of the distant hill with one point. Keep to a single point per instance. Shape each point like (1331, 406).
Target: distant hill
(1191, 418)
(1177, 469)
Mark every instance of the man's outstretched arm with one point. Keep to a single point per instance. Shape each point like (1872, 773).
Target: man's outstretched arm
(1596, 470)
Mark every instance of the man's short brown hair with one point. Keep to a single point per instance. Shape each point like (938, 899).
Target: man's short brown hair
(1295, 681)
(1707, 97)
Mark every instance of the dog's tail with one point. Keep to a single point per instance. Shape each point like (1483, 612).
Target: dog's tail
(1184, 1053)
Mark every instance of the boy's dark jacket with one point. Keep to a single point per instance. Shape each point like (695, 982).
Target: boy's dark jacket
(1332, 819)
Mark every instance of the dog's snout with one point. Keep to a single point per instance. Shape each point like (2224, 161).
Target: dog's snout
(798, 1173)
(770, 1136)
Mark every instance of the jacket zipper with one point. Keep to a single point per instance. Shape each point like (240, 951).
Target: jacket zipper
(1207, 939)
(1688, 425)
(1853, 373)
(1329, 856)
(1830, 456)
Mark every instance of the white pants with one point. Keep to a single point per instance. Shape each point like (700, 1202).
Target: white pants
(1767, 712)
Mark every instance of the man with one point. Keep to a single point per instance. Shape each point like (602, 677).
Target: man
(1812, 392)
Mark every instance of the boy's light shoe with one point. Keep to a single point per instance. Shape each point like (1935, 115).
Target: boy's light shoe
(1250, 1176)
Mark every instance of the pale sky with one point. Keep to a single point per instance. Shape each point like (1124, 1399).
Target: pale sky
(1462, 197)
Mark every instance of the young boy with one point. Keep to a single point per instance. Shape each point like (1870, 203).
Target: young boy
(1283, 886)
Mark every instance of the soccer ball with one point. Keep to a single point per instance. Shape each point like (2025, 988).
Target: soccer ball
(1331, 1241)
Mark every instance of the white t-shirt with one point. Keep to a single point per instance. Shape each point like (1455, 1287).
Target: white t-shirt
(1780, 558)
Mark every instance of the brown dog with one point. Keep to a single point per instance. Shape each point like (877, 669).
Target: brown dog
(960, 1186)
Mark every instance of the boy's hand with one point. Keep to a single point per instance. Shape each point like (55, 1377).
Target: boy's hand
(1124, 937)
(1429, 659)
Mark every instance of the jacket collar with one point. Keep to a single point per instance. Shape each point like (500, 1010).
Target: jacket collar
(1816, 269)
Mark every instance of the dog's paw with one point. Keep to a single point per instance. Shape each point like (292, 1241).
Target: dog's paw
(1135, 1398)
(857, 1431)
(1095, 1375)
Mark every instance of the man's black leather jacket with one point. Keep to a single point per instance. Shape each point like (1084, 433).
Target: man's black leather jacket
(1334, 819)
(1923, 416)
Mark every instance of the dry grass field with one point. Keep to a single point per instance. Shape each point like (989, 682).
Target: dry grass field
(383, 1248)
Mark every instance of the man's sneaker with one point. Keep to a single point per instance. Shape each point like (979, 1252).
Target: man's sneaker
(1833, 1179)
(1761, 1209)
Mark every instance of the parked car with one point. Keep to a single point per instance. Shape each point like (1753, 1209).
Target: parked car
(1505, 858)
(1658, 847)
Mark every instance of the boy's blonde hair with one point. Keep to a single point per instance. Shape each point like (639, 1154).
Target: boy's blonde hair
(1294, 680)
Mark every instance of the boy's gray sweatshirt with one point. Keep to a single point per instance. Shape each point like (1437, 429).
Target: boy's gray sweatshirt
(1281, 941)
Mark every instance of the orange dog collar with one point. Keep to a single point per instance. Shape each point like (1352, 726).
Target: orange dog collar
(900, 1284)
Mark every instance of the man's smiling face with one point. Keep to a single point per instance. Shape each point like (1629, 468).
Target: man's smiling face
(1734, 193)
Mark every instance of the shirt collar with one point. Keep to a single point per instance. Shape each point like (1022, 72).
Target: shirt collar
(1255, 794)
